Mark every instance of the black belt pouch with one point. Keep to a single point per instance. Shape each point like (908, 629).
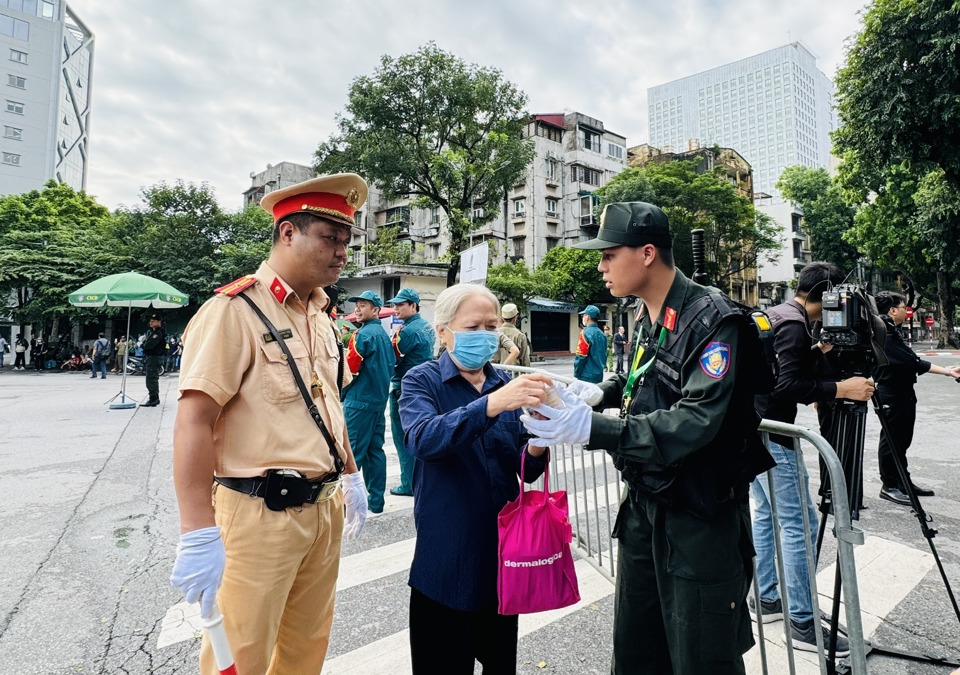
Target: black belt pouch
(282, 491)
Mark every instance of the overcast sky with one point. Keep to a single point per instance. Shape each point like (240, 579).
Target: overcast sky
(214, 89)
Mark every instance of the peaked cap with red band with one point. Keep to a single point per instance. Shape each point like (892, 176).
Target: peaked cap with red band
(335, 197)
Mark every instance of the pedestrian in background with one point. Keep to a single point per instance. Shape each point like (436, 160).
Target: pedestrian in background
(591, 348)
(36, 352)
(122, 345)
(101, 353)
(20, 349)
(619, 346)
(4, 349)
(462, 420)
(510, 315)
(274, 527)
(371, 362)
(895, 389)
(154, 349)
(412, 345)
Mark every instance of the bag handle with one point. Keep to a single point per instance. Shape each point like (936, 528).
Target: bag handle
(546, 472)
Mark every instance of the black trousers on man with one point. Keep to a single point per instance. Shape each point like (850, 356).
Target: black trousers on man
(152, 368)
(900, 414)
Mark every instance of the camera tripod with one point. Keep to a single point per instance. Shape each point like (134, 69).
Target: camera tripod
(846, 434)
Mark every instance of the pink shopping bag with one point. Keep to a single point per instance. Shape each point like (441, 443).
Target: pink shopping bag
(536, 567)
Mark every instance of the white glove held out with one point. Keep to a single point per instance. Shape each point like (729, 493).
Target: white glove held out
(198, 568)
(570, 425)
(355, 502)
(588, 392)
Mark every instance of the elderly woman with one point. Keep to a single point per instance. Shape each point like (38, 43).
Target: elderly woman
(461, 417)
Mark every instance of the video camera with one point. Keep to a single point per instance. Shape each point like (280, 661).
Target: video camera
(852, 325)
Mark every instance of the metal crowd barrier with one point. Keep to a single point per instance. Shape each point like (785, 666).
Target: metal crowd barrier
(594, 490)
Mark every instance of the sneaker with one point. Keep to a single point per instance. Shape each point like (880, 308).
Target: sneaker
(770, 610)
(805, 639)
(893, 494)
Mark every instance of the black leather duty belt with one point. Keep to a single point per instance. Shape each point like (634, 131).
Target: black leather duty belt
(282, 489)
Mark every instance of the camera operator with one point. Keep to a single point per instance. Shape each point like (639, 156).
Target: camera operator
(895, 383)
(797, 357)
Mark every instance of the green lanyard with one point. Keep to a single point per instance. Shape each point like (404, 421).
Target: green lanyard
(636, 370)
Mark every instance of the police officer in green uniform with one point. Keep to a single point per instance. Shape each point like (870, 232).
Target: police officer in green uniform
(154, 349)
(591, 348)
(370, 359)
(686, 445)
(412, 345)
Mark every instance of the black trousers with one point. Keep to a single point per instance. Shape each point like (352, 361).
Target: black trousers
(680, 602)
(445, 641)
(20, 361)
(152, 369)
(619, 358)
(900, 415)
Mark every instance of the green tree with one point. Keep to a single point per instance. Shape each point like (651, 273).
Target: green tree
(388, 249)
(897, 92)
(826, 213)
(575, 275)
(246, 243)
(515, 282)
(52, 241)
(737, 236)
(430, 127)
(937, 220)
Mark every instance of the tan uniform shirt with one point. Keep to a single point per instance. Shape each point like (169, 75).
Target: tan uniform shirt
(264, 423)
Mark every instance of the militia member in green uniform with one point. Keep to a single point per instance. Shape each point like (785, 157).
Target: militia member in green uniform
(370, 359)
(686, 445)
(591, 348)
(509, 313)
(412, 345)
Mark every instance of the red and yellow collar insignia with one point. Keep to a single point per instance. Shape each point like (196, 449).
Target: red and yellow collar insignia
(278, 289)
(670, 319)
(237, 285)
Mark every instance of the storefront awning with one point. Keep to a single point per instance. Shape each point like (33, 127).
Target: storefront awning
(547, 305)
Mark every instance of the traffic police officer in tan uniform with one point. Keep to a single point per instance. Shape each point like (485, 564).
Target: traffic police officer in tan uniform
(243, 429)
(687, 447)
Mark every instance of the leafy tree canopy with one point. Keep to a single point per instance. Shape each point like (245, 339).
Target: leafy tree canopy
(826, 214)
(52, 241)
(514, 282)
(431, 127)
(388, 249)
(737, 236)
(574, 276)
(897, 93)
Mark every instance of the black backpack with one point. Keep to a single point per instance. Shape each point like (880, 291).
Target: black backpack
(763, 369)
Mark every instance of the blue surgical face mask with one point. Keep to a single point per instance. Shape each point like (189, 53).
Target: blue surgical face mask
(472, 349)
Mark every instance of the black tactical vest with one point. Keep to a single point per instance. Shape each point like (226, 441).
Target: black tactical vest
(721, 471)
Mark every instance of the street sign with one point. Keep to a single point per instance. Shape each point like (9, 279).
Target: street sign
(928, 321)
(909, 312)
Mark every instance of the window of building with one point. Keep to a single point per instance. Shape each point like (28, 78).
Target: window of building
(13, 132)
(519, 246)
(46, 9)
(588, 140)
(615, 151)
(553, 170)
(552, 243)
(519, 207)
(356, 255)
(434, 251)
(434, 215)
(17, 81)
(587, 204)
(477, 213)
(15, 28)
(584, 175)
(18, 56)
(14, 107)
(553, 206)
(25, 6)
(11, 159)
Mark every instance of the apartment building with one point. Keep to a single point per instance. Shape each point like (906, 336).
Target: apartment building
(774, 108)
(274, 177)
(46, 73)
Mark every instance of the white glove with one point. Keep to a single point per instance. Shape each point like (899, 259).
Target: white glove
(355, 502)
(587, 391)
(570, 424)
(198, 568)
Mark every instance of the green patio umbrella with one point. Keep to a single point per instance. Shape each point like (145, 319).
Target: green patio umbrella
(129, 290)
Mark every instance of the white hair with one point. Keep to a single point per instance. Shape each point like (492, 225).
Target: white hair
(449, 301)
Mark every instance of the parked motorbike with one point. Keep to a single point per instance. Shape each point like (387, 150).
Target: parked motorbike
(136, 366)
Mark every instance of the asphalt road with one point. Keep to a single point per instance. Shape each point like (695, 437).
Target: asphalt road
(88, 529)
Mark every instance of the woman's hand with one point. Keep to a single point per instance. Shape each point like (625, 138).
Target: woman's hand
(523, 391)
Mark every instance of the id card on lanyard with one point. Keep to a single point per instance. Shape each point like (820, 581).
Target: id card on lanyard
(637, 369)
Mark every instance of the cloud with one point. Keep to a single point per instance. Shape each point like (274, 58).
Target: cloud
(208, 92)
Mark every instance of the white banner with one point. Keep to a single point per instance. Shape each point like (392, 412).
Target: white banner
(473, 264)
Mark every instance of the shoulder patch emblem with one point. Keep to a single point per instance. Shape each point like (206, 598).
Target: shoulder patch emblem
(715, 359)
(237, 285)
